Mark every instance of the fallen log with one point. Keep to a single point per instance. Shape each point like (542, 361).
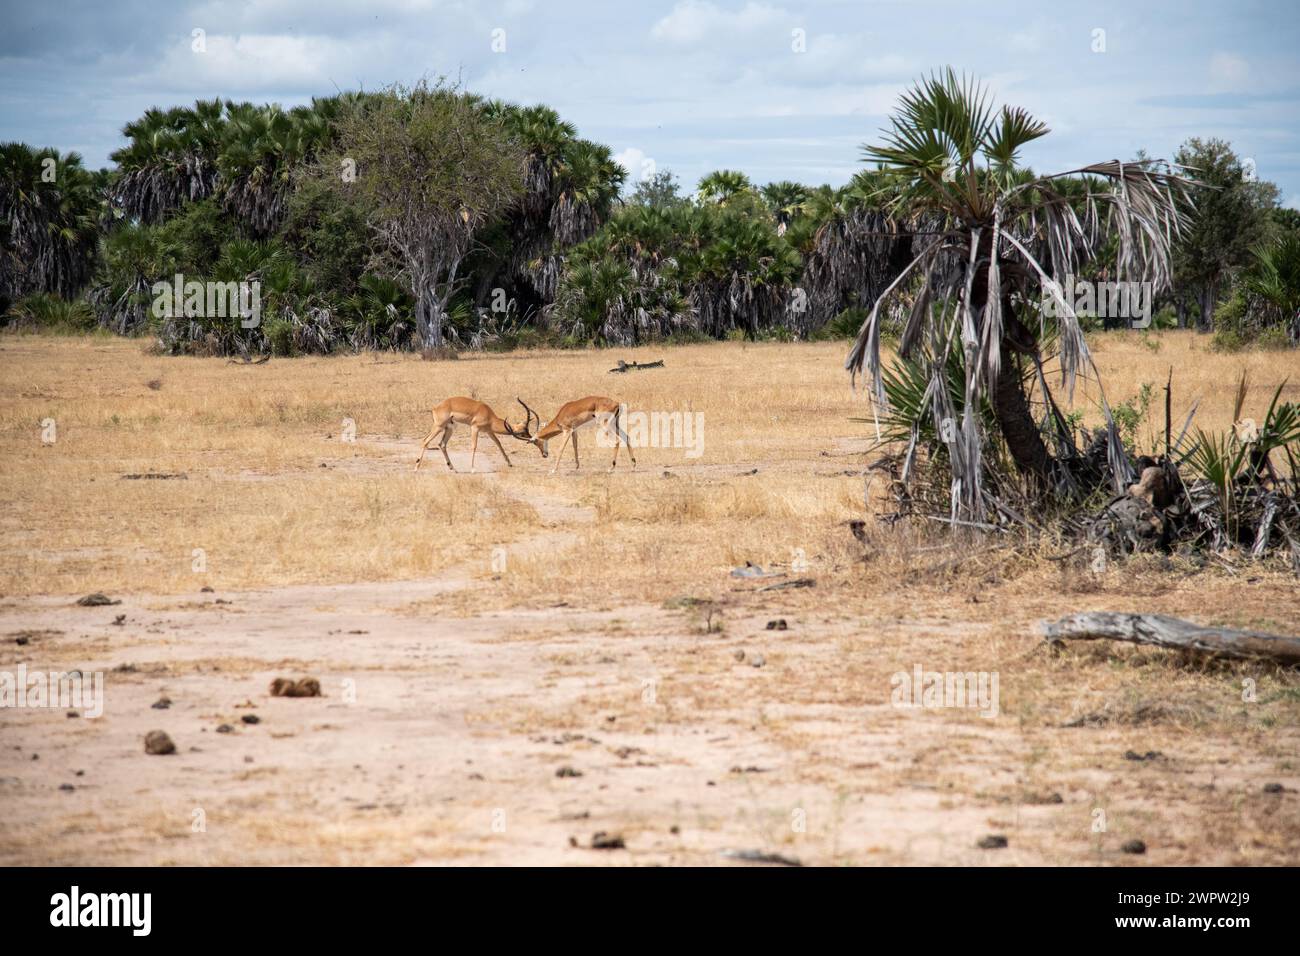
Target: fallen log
(1163, 631)
(633, 366)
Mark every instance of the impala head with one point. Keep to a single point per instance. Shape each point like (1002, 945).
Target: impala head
(527, 432)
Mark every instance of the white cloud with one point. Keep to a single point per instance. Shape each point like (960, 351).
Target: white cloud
(694, 21)
(639, 166)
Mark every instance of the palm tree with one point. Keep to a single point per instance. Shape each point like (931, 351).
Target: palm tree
(722, 185)
(991, 241)
(50, 208)
(171, 159)
(786, 200)
(1274, 279)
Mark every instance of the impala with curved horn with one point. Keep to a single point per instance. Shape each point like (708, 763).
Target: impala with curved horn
(574, 415)
(480, 418)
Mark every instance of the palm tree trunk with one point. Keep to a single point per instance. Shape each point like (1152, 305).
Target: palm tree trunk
(1016, 421)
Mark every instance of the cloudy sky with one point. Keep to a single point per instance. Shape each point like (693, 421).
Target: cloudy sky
(781, 90)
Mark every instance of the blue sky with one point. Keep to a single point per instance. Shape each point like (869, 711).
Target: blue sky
(689, 86)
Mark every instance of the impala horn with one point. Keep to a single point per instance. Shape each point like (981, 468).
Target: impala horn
(529, 415)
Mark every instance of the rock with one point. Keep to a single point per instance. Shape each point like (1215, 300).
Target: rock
(225, 729)
(73, 713)
(568, 772)
(251, 719)
(21, 641)
(96, 600)
(162, 703)
(740, 654)
(758, 660)
(607, 841)
(994, 841)
(67, 786)
(777, 625)
(157, 742)
(1149, 755)
(206, 589)
(302, 687)
(1273, 788)
(119, 620)
(1133, 846)
(761, 856)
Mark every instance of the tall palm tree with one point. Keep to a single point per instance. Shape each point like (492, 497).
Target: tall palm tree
(721, 186)
(171, 159)
(991, 241)
(50, 208)
(786, 200)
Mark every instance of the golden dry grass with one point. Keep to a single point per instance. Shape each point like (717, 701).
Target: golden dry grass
(272, 494)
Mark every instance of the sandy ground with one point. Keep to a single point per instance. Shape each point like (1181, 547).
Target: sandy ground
(514, 737)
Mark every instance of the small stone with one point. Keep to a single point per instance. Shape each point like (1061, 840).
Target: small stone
(97, 599)
(21, 641)
(1133, 846)
(740, 654)
(157, 742)
(1149, 755)
(73, 713)
(206, 589)
(607, 841)
(67, 786)
(1273, 788)
(162, 703)
(777, 625)
(568, 772)
(251, 719)
(225, 729)
(758, 660)
(994, 841)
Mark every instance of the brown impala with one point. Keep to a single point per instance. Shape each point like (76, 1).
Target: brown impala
(480, 418)
(572, 416)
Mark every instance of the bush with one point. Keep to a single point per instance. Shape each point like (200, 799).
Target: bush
(1227, 340)
(1274, 339)
(50, 313)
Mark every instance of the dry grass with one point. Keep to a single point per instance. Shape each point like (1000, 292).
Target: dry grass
(272, 494)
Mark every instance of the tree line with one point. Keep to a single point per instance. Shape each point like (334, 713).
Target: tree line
(427, 217)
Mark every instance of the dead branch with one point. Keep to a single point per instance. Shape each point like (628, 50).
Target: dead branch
(634, 366)
(1163, 631)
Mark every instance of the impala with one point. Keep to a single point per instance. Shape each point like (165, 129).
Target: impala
(480, 418)
(574, 415)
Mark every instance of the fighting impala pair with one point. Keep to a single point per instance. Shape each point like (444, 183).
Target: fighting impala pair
(480, 418)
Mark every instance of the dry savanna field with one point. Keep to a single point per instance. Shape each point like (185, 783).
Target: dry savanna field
(513, 662)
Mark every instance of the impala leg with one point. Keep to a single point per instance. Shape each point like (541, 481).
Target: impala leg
(614, 463)
(473, 448)
(576, 466)
(620, 433)
(560, 454)
(425, 445)
(446, 437)
(493, 436)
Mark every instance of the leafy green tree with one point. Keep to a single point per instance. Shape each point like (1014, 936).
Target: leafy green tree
(1226, 221)
(431, 169)
(659, 191)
